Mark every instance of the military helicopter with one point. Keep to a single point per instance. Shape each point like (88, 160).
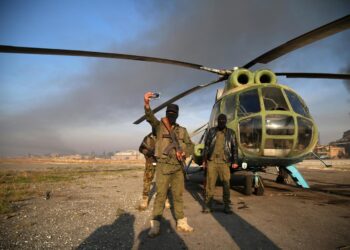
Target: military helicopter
(273, 124)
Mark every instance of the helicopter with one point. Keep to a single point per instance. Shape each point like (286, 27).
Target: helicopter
(273, 124)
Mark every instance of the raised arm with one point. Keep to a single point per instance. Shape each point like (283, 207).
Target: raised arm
(148, 112)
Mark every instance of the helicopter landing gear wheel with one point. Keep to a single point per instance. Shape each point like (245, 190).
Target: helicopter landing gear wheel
(259, 188)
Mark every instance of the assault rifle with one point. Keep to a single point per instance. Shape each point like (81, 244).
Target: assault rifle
(174, 145)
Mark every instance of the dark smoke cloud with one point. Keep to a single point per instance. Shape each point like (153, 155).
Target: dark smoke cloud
(218, 34)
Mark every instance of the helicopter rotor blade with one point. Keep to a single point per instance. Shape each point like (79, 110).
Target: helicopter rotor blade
(314, 75)
(199, 130)
(65, 52)
(183, 94)
(303, 40)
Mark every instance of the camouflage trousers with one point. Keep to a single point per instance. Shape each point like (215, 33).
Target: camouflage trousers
(148, 176)
(215, 170)
(169, 175)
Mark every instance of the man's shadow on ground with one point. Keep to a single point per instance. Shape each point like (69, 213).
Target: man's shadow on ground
(243, 234)
(167, 239)
(119, 235)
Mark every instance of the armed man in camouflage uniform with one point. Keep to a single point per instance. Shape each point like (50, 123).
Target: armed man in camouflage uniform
(147, 149)
(169, 170)
(219, 154)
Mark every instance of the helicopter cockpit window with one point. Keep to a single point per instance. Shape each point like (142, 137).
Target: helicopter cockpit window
(274, 99)
(278, 147)
(250, 134)
(297, 105)
(304, 133)
(249, 103)
(279, 125)
(214, 115)
(230, 107)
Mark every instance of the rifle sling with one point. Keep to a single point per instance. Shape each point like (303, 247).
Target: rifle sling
(175, 143)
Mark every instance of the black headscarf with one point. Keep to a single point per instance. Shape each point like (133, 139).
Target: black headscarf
(172, 112)
(222, 120)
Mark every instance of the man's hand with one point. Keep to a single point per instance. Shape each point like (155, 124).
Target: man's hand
(234, 165)
(146, 99)
(205, 164)
(180, 155)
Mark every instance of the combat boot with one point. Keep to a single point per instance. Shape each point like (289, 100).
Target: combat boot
(228, 209)
(183, 226)
(144, 203)
(208, 207)
(167, 203)
(155, 228)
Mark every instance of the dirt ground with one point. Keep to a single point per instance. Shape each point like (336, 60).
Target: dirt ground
(98, 210)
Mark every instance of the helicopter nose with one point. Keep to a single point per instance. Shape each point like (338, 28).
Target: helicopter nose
(286, 135)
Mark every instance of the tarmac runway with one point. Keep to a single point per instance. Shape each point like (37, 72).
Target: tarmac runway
(286, 217)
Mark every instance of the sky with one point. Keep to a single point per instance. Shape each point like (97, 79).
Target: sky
(55, 104)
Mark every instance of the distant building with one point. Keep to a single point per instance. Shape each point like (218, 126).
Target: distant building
(128, 155)
(344, 142)
(330, 152)
(72, 157)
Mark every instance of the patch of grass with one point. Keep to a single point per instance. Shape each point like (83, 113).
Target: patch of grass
(18, 186)
(35, 177)
(22, 185)
(13, 192)
(5, 206)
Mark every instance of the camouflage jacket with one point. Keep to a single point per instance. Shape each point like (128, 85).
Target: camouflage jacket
(147, 146)
(163, 139)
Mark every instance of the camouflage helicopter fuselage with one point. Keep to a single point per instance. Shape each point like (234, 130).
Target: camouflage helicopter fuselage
(272, 123)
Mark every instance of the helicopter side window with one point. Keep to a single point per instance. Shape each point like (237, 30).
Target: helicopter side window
(230, 107)
(304, 133)
(274, 99)
(250, 133)
(214, 115)
(297, 105)
(249, 103)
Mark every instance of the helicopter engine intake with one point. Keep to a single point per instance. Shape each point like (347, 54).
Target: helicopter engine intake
(239, 77)
(265, 76)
